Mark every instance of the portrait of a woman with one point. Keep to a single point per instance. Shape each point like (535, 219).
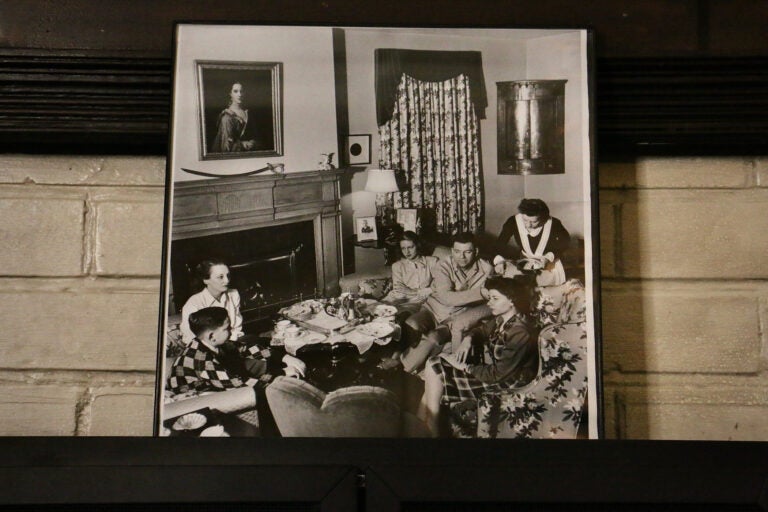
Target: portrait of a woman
(240, 109)
(232, 124)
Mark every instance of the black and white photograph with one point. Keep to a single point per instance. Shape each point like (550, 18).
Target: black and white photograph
(279, 321)
(365, 227)
(240, 109)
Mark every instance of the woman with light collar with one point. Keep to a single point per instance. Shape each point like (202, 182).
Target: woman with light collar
(539, 242)
(213, 276)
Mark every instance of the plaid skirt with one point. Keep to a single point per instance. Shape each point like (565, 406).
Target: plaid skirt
(459, 386)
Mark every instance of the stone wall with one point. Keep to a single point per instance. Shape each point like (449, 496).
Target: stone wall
(684, 245)
(685, 296)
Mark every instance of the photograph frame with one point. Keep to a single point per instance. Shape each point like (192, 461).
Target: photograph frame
(409, 219)
(229, 136)
(365, 229)
(357, 149)
(278, 190)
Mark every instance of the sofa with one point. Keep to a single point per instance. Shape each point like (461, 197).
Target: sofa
(552, 405)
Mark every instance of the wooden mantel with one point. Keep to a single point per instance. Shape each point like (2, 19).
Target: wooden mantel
(227, 204)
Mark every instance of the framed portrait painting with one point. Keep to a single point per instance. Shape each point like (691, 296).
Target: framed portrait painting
(240, 106)
(270, 305)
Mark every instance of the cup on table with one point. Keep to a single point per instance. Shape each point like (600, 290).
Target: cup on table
(292, 332)
(281, 326)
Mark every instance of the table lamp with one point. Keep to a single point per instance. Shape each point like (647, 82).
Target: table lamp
(382, 182)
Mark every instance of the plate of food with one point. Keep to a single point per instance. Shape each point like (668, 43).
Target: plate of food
(384, 310)
(376, 329)
(298, 310)
(191, 421)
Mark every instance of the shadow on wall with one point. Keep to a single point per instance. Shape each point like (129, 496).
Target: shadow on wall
(622, 318)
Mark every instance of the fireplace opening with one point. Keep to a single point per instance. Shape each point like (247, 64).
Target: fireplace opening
(271, 267)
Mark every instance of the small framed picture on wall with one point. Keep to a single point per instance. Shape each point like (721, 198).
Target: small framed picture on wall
(408, 218)
(365, 229)
(358, 149)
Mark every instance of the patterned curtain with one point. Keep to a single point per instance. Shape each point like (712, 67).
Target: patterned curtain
(433, 137)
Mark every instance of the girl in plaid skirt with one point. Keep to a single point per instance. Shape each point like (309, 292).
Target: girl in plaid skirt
(509, 352)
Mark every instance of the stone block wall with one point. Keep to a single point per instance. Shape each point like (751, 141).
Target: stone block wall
(79, 294)
(684, 294)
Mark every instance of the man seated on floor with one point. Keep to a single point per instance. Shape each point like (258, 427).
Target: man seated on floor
(456, 304)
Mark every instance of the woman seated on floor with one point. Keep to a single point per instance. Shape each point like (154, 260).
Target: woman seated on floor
(212, 275)
(509, 352)
(411, 280)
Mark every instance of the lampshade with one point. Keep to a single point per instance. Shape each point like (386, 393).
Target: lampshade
(381, 181)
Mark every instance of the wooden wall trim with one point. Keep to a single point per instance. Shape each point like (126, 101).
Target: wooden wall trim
(682, 105)
(65, 102)
(72, 103)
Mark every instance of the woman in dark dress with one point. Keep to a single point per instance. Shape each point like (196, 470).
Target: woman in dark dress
(232, 123)
(509, 346)
(539, 242)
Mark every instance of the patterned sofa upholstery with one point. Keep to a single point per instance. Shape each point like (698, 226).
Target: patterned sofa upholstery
(551, 405)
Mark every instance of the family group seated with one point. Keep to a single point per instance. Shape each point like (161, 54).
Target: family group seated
(466, 325)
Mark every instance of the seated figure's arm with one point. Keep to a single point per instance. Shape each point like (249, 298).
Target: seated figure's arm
(481, 332)
(503, 246)
(517, 350)
(559, 240)
(237, 324)
(444, 288)
(216, 375)
(398, 282)
(189, 307)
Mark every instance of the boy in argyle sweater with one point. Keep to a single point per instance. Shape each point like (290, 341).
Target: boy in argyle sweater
(209, 363)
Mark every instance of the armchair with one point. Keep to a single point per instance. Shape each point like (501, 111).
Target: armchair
(552, 404)
(302, 410)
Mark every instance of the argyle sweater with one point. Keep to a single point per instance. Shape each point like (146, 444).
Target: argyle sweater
(199, 368)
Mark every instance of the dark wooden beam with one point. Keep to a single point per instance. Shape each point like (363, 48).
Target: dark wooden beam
(672, 76)
(69, 103)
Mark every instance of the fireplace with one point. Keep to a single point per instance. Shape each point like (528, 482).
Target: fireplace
(279, 235)
(268, 276)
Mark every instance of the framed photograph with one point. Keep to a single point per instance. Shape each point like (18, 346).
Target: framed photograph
(365, 229)
(240, 106)
(358, 149)
(408, 218)
(253, 304)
